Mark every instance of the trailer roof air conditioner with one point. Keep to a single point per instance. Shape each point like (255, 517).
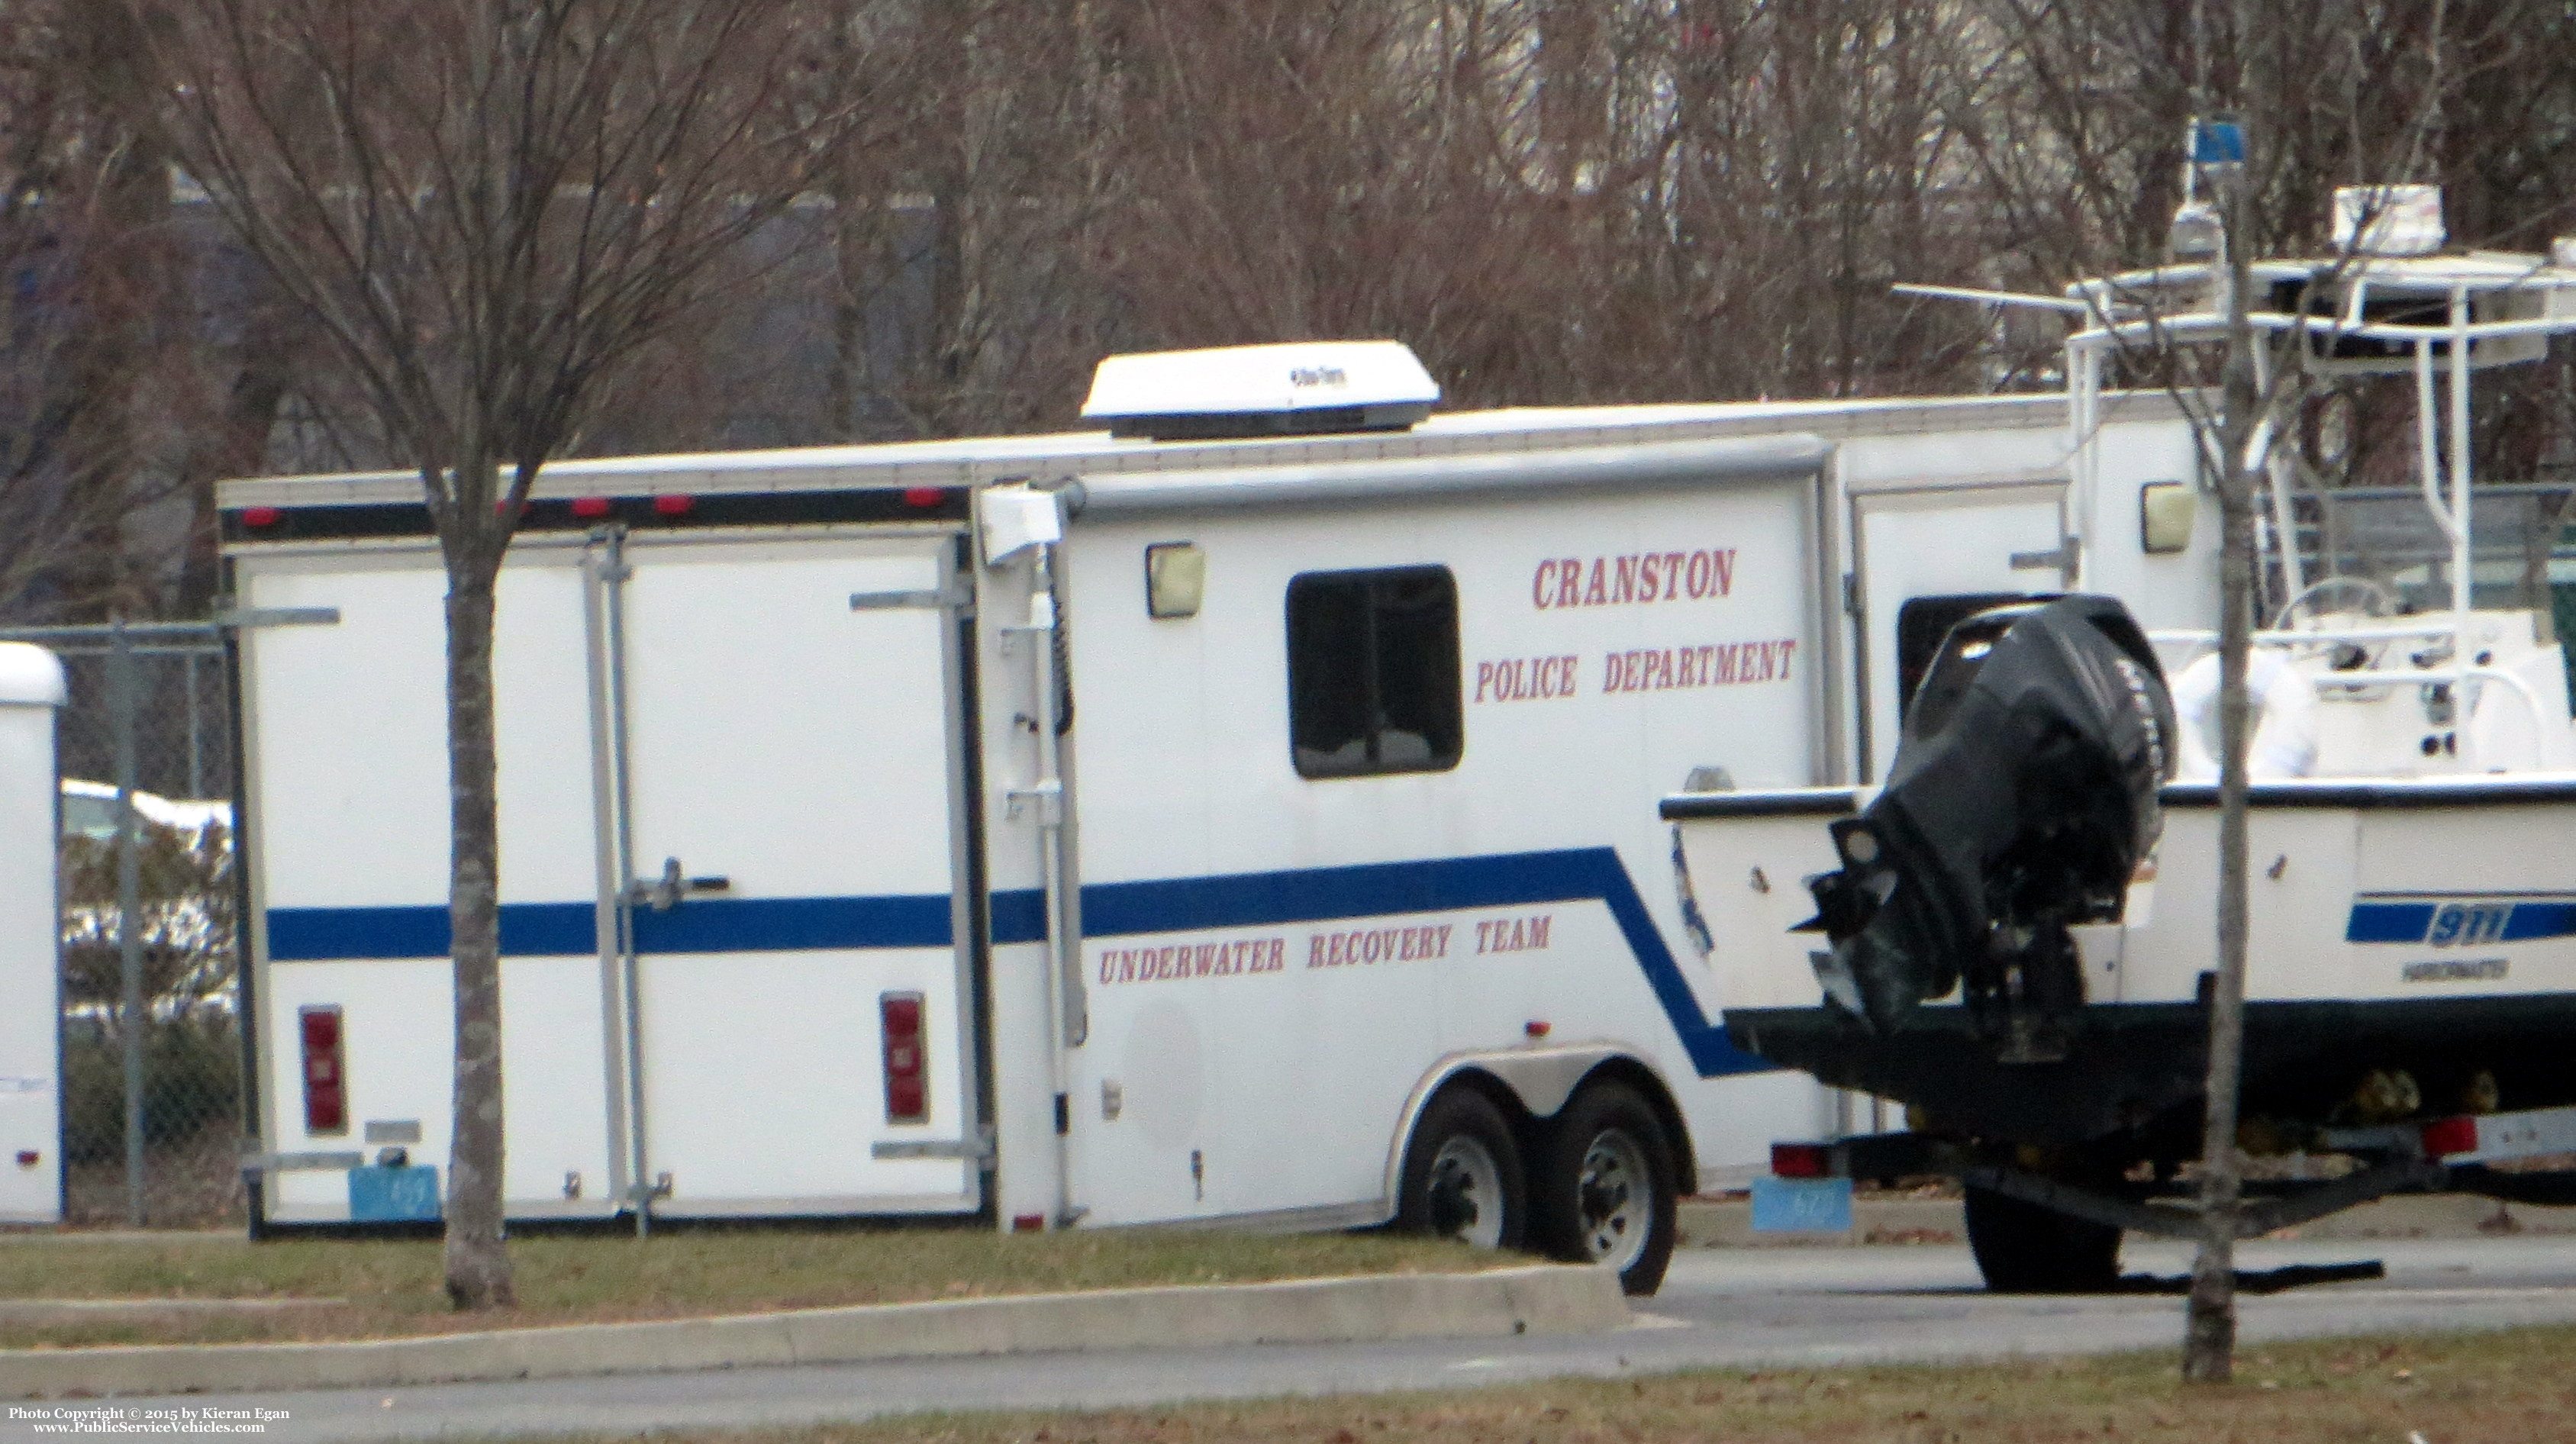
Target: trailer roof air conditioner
(1298, 388)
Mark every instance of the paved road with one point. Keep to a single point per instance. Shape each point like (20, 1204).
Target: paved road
(1720, 1307)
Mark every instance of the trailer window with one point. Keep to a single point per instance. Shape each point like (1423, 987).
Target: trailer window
(1373, 672)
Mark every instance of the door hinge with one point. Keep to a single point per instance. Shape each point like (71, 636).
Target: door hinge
(955, 598)
(244, 618)
(978, 1149)
(326, 1162)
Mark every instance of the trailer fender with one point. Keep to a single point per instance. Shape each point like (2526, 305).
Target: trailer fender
(1535, 1082)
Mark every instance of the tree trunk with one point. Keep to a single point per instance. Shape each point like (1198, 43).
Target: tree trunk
(478, 1268)
(2209, 1330)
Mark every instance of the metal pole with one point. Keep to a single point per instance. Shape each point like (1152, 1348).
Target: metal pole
(122, 700)
(196, 756)
(614, 573)
(1061, 955)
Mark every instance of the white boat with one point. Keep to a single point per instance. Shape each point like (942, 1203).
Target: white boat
(2412, 952)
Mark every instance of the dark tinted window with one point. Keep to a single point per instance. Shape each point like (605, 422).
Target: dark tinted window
(1373, 672)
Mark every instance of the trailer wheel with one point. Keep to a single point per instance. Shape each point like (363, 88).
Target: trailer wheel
(1462, 1174)
(2023, 1248)
(1602, 1186)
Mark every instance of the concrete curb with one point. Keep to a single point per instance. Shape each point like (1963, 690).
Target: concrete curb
(1727, 1223)
(1546, 1299)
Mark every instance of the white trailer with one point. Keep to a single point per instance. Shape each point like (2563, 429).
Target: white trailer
(1243, 814)
(31, 1155)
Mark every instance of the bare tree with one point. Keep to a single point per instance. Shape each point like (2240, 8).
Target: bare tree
(485, 206)
(92, 295)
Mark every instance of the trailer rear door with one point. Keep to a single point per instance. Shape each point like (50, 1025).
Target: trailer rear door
(789, 718)
(1912, 543)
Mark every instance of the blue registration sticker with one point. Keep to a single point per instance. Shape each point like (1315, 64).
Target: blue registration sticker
(1802, 1205)
(393, 1195)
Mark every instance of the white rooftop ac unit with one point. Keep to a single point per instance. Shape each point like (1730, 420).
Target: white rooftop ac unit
(1294, 388)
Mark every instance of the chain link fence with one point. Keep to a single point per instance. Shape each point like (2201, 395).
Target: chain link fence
(151, 1028)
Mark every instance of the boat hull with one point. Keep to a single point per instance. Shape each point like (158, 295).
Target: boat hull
(2423, 928)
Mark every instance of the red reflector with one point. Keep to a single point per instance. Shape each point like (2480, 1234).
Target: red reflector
(590, 508)
(326, 1079)
(923, 496)
(1535, 1027)
(1799, 1160)
(907, 1075)
(1028, 1223)
(261, 516)
(29, 1158)
(2451, 1135)
(673, 504)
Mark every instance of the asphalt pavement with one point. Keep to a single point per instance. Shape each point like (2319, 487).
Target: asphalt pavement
(1720, 1307)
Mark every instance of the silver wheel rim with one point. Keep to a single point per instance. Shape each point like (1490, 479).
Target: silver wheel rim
(1466, 1188)
(1615, 1199)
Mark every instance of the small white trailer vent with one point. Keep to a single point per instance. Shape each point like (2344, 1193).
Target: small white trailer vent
(1297, 388)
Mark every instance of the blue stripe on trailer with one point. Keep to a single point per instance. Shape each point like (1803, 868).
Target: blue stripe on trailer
(297, 935)
(700, 925)
(1118, 909)
(1329, 894)
(795, 924)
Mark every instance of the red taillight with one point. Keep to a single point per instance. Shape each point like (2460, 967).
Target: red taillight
(923, 496)
(261, 516)
(326, 1072)
(590, 508)
(1800, 1160)
(907, 1072)
(673, 504)
(2445, 1136)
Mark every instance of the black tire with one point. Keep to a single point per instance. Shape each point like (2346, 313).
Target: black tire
(1462, 1174)
(1602, 1186)
(2023, 1248)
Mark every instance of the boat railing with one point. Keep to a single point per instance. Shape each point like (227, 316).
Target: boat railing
(2444, 628)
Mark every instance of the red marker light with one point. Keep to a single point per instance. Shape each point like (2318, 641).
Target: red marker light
(1028, 1223)
(261, 516)
(673, 504)
(590, 508)
(326, 1071)
(1536, 1027)
(923, 496)
(1798, 1160)
(907, 1073)
(2445, 1136)
(29, 1158)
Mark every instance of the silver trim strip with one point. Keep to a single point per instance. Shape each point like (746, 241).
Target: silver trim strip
(1511, 473)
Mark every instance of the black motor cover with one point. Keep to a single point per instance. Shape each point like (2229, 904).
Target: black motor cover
(2021, 800)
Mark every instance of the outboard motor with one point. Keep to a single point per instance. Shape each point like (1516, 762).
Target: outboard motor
(2020, 803)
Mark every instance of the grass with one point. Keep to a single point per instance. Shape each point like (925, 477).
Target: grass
(2497, 1388)
(379, 1288)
